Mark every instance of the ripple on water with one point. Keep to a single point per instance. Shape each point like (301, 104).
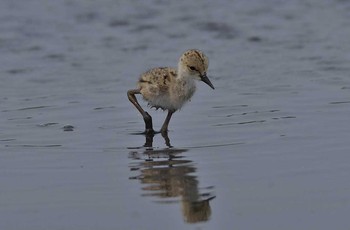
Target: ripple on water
(219, 29)
(244, 115)
(19, 71)
(35, 146)
(339, 102)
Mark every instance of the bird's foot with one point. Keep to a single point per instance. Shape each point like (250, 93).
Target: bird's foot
(166, 138)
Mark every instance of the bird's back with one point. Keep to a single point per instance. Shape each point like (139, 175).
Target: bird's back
(155, 86)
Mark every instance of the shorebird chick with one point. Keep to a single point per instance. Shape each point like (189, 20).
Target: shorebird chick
(169, 88)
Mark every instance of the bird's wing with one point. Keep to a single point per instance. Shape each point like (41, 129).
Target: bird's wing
(157, 80)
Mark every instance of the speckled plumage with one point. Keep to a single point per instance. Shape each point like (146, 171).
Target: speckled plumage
(162, 88)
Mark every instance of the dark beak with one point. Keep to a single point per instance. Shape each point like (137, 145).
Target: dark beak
(206, 80)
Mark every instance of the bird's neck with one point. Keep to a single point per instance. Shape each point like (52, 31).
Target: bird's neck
(186, 85)
(181, 73)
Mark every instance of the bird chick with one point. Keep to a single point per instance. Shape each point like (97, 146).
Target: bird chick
(169, 88)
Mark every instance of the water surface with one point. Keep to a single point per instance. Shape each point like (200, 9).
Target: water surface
(267, 149)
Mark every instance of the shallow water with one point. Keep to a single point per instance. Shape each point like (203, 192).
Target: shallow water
(267, 149)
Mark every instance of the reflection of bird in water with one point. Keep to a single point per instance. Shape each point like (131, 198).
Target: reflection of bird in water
(197, 211)
(166, 174)
(169, 88)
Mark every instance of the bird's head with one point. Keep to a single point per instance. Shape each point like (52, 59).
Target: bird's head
(194, 63)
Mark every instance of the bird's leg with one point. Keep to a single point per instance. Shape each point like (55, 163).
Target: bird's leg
(167, 139)
(164, 128)
(146, 117)
(149, 140)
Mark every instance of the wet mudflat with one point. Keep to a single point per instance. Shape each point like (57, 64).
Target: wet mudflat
(267, 149)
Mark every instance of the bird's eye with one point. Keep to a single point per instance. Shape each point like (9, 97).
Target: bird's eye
(192, 68)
